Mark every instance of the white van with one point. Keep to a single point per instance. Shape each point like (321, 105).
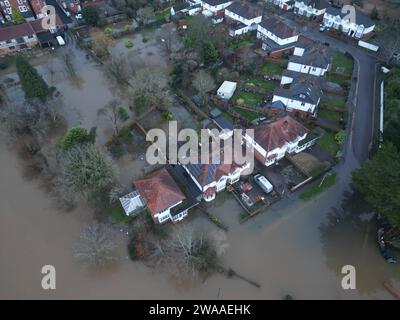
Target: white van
(263, 183)
(60, 41)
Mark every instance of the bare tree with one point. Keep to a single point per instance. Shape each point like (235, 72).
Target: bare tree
(115, 113)
(190, 252)
(150, 90)
(203, 82)
(96, 246)
(32, 118)
(119, 69)
(145, 14)
(100, 43)
(87, 171)
(169, 39)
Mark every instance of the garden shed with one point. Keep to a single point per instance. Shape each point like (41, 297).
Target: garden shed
(226, 90)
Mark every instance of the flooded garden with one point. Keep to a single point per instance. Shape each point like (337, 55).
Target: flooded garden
(296, 248)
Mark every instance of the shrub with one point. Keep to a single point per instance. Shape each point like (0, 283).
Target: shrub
(74, 136)
(91, 15)
(126, 136)
(128, 43)
(108, 31)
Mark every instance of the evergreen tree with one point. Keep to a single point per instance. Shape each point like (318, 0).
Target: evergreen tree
(378, 180)
(31, 81)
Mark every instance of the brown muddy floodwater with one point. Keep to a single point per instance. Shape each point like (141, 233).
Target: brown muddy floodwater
(285, 250)
(294, 248)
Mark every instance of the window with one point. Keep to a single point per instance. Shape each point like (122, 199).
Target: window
(8, 10)
(303, 104)
(7, 3)
(314, 69)
(163, 218)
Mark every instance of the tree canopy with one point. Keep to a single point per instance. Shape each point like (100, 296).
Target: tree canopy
(91, 15)
(87, 170)
(17, 16)
(31, 81)
(378, 180)
(76, 136)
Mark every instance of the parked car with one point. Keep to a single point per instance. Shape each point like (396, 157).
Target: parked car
(264, 184)
(246, 199)
(322, 27)
(387, 254)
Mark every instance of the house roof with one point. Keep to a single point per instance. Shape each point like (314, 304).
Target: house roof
(361, 18)
(317, 4)
(315, 56)
(159, 190)
(276, 134)
(305, 88)
(296, 76)
(37, 5)
(227, 86)
(214, 170)
(14, 3)
(278, 27)
(215, 3)
(305, 42)
(16, 31)
(244, 10)
(38, 27)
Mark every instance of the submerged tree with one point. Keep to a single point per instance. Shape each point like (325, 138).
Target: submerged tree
(32, 83)
(31, 118)
(76, 136)
(150, 90)
(96, 246)
(116, 114)
(203, 82)
(87, 171)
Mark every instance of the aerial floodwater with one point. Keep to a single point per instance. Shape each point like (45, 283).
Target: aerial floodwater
(78, 189)
(297, 250)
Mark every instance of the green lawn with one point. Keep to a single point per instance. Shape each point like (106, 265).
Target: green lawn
(327, 142)
(242, 43)
(261, 83)
(339, 60)
(329, 115)
(248, 114)
(339, 79)
(326, 183)
(339, 103)
(251, 98)
(272, 68)
(163, 14)
(118, 215)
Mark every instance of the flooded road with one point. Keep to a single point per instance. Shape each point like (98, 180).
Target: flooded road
(286, 250)
(295, 248)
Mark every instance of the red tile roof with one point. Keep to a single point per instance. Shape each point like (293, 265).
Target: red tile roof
(19, 30)
(159, 190)
(37, 5)
(276, 134)
(37, 24)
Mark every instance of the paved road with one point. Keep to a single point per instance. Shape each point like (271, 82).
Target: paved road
(361, 124)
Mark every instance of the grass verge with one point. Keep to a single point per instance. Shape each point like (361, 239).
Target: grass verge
(311, 192)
